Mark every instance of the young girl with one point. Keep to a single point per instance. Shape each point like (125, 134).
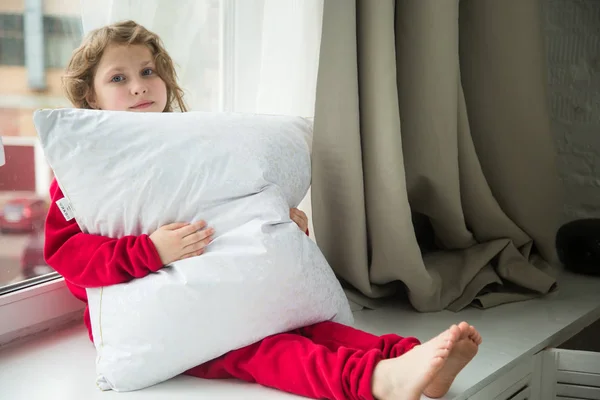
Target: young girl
(124, 67)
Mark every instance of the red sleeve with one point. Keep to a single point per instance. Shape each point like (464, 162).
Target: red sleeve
(91, 260)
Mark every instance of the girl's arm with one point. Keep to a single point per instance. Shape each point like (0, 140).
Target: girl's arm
(91, 260)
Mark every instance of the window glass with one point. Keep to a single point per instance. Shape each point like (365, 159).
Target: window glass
(25, 177)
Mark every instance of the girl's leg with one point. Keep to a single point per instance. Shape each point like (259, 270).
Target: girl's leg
(295, 364)
(334, 335)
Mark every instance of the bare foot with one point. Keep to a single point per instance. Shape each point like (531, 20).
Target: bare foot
(475, 335)
(405, 377)
(463, 352)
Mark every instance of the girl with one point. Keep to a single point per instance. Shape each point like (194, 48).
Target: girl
(124, 67)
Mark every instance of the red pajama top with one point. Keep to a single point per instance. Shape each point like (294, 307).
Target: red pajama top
(88, 261)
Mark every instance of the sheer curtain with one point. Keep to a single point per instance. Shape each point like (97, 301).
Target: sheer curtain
(258, 56)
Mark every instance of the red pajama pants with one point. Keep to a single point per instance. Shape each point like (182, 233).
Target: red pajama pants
(322, 361)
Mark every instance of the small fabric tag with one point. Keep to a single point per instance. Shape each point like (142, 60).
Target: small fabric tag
(65, 208)
(2, 157)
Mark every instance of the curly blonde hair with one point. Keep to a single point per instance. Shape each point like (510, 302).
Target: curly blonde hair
(78, 80)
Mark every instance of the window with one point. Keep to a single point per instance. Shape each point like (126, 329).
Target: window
(61, 36)
(25, 178)
(12, 41)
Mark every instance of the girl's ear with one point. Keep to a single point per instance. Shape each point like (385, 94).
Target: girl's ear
(91, 100)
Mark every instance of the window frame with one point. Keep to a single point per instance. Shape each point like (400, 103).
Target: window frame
(37, 309)
(43, 304)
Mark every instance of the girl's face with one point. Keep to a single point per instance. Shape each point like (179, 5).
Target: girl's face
(126, 80)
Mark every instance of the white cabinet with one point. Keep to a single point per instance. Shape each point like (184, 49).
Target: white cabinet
(519, 383)
(570, 375)
(553, 374)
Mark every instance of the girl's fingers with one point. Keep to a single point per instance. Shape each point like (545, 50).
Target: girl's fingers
(300, 214)
(190, 228)
(198, 245)
(301, 223)
(174, 226)
(197, 236)
(296, 220)
(193, 254)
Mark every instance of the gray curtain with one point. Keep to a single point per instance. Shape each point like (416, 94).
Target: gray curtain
(433, 161)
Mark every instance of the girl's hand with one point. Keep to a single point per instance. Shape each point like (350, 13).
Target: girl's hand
(181, 240)
(299, 218)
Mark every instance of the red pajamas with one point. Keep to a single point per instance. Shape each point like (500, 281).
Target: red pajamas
(323, 361)
(326, 360)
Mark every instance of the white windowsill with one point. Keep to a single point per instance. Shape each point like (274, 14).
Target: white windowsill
(62, 363)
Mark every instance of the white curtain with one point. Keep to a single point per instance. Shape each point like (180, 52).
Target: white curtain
(258, 56)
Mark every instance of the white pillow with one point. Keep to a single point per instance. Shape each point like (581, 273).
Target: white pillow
(129, 173)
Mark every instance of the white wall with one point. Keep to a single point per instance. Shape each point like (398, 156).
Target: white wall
(573, 43)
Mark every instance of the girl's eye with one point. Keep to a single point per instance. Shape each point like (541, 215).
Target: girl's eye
(147, 71)
(118, 78)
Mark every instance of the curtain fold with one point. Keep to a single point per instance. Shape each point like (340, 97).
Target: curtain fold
(504, 72)
(433, 160)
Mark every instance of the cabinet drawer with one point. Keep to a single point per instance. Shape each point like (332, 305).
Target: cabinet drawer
(574, 374)
(577, 392)
(512, 385)
(524, 394)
